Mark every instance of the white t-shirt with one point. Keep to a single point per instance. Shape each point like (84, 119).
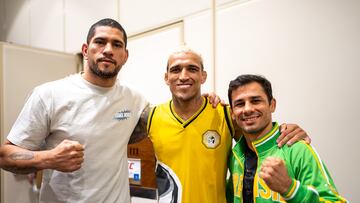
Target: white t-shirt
(102, 119)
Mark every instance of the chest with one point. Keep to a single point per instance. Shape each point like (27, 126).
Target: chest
(206, 134)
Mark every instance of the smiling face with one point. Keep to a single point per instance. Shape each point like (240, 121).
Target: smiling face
(252, 110)
(106, 52)
(185, 76)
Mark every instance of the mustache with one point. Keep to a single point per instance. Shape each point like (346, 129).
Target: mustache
(106, 59)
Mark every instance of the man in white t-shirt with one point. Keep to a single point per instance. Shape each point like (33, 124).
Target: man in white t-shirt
(78, 128)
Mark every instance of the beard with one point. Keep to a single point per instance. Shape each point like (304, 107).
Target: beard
(255, 130)
(185, 97)
(94, 68)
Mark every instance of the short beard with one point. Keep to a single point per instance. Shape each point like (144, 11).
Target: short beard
(256, 131)
(253, 131)
(102, 74)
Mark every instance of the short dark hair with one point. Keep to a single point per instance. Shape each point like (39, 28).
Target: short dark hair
(106, 22)
(245, 79)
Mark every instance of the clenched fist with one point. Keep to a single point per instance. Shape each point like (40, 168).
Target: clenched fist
(67, 156)
(274, 173)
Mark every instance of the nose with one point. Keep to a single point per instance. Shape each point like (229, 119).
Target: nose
(108, 49)
(183, 74)
(248, 108)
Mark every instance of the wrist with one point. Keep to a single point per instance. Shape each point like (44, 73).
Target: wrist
(43, 159)
(289, 190)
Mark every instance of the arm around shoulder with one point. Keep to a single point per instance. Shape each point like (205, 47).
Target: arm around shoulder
(140, 131)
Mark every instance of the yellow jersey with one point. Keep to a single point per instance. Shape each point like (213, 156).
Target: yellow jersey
(192, 154)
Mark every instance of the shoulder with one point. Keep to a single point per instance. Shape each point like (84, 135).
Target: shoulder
(47, 89)
(131, 94)
(164, 107)
(219, 108)
(159, 112)
(300, 150)
(297, 146)
(132, 99)
(222, 114)
(56, 84)
(300, 145)
(129, 91)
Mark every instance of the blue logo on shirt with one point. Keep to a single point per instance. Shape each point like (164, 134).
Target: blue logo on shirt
(122, 115)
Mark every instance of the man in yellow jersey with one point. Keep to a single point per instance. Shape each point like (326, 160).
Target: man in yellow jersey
(192, 139)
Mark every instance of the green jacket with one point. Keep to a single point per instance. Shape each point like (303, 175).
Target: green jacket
(311, 180)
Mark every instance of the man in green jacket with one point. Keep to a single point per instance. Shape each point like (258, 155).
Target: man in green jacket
(262, 172)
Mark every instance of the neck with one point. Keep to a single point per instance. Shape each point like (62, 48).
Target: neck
(96, 80)
(185, 109)
(250, 137)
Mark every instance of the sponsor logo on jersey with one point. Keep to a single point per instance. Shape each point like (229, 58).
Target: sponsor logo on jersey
(211, 139)
(122, 115)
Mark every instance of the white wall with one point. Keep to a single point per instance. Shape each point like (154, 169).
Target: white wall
(46, 24)
(139, 15)
(17, 21)
(53, 24)
(310, 51)
(79, 15)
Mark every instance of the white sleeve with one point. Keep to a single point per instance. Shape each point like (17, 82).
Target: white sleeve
(32, 125)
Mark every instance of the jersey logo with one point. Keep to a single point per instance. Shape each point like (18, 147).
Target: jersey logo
(211, 139)
(122, 115)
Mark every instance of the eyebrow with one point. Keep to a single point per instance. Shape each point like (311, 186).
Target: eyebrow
(113, 40)
(251, 97)
(175, 66)
(193, 65)
(118, 41)
(190, 65)
(256, 97)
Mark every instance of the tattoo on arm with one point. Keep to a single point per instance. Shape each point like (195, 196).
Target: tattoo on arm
(140, 131)
(21, 156)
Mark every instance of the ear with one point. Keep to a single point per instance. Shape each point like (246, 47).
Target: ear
(166, 78)
(232, 114)
(84, 50)
(126, 56)
(203, 76)
(273, 105)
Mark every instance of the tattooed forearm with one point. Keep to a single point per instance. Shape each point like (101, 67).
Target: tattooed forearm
(140, 131)
(22, 156)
